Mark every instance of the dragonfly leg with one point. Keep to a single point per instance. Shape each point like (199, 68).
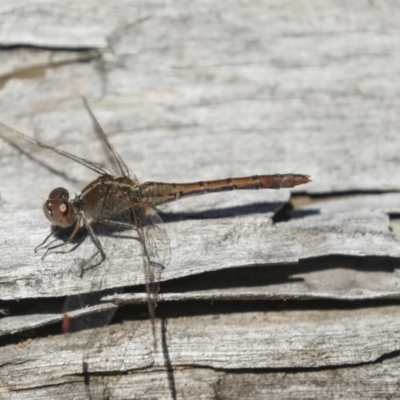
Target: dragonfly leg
(69, 240)
(45, 240)
(96, 242)
(81, 219)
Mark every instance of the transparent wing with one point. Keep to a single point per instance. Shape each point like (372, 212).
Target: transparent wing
(156, 242)
(19, 139)
(116, 161)
(156, 252)
(153, 239)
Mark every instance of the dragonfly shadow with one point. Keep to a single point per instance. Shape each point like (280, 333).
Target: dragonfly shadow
(248, 209)
(167, 360)
(100, 230)
(62, 235)
(91, 260)
(106, 230)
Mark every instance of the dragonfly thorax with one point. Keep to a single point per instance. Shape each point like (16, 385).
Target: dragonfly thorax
(58, 210)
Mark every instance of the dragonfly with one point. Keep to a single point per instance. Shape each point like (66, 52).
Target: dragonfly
(116, 198)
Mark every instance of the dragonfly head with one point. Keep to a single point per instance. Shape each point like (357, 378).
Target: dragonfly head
(58, 210)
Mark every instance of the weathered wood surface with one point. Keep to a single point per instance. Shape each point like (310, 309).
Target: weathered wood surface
(203, 90)
(227, 342)
(222, 243)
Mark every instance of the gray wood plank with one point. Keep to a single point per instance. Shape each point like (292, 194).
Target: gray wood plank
(377, 381)
(293, 110)
(224, 342)
(328, 278)
(222, 243)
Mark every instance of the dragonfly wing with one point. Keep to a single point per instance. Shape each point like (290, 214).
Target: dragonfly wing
(156, 241)
(156, 251)
(92, 318)
(25, 142)
(116, 161)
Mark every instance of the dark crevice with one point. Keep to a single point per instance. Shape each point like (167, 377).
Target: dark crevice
(345, 193)
(179, 309)
(387, 356)
(277, 274)
(240, 277)
(296, 370)
(252, 371)
(69, 49)
(283, 214)
(37, 71)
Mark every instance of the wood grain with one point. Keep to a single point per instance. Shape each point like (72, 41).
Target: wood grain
(305, 284)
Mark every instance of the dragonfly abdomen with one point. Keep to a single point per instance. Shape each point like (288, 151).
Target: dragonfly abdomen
(155, 193)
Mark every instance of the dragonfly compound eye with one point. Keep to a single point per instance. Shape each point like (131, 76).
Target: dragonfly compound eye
(59, 212)
(59, 193)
